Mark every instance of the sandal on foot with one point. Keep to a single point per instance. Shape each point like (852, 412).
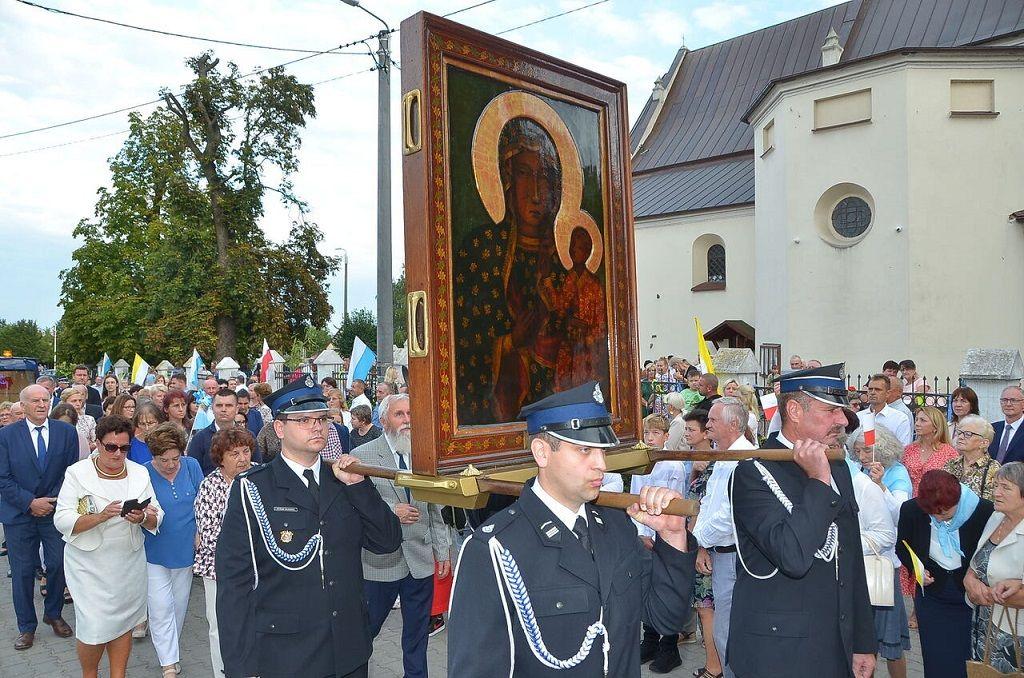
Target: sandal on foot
(704, 673)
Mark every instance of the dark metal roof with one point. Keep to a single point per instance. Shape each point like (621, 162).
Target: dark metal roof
(702, 116)
(718, 183)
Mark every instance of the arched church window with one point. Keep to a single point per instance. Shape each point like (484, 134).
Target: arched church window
(716, 264)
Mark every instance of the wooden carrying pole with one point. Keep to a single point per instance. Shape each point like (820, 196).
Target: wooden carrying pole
(619, 500)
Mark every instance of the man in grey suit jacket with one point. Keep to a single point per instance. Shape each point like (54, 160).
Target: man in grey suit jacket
(408, 573)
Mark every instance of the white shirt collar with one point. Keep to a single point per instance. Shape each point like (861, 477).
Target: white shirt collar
(1007, 424)
(563, 513)
(32, 427)
(299, 469)
(742, 443)
(784, 440)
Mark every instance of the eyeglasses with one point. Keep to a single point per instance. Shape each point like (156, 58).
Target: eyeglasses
(114, 447)
(962, 433)
(308, 422)
(1010, 401)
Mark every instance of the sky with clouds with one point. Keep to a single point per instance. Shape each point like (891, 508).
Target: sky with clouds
(55, 68)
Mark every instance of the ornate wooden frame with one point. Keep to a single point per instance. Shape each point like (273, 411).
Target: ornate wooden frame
(430, 45)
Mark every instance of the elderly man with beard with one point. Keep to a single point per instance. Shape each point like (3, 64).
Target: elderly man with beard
(289, 574)
(406, 573)
(800, 604)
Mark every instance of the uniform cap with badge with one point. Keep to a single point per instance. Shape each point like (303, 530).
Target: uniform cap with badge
(302, 395)
(826, 383)
(577, 416)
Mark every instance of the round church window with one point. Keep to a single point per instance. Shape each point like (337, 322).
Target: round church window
(851, 217)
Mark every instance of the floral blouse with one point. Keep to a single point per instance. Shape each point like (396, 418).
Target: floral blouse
(980, 475)
(917, 468)
(87, 427)
(211, 502)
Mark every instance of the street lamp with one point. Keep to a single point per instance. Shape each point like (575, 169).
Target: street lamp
(385, 294)
(344, 254)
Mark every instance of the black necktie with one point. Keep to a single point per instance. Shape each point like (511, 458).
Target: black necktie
(583, 532)
(314, 487)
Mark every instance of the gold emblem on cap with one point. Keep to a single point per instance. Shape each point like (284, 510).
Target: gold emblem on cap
(309, 382)
(598, 396)
(286, 536)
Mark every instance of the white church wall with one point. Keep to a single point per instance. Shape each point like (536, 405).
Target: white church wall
(966, 177)
(939, 268)
(665, 273)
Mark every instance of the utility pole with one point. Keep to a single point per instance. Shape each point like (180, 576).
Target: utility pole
(385, 291)
(344, 313)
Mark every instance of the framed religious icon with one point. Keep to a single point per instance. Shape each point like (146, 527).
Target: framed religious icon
(518, 240)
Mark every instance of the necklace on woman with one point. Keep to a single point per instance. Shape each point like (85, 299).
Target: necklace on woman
(110, 476)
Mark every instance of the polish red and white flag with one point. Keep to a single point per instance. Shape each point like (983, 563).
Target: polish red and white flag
(867, 421)
(770, 405)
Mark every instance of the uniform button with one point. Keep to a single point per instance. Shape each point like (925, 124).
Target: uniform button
(334, 614)
(834, 502)
(286, 524)
(327, 552)
(842, 617)
(272, 627)
(322, 523)
(775, 628)
(629, 574)
(842, 584)
(330, 583)
(511, 512)
(559, 605)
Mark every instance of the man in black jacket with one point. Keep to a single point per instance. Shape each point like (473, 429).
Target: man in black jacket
(289, 573)
(800, 605)
(556, 586)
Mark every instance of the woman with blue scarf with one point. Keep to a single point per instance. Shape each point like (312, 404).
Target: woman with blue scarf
(942, 524)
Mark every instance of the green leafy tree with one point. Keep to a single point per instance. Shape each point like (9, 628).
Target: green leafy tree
(25, 339)
(174, 256)
(360, 322)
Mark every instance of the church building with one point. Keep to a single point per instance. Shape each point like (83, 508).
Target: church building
(847, 186)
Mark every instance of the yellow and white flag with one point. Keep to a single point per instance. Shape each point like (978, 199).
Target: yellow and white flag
(918, 565)
(707, 365)
(140, 370)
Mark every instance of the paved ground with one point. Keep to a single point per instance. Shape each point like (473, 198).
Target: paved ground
(54, 657)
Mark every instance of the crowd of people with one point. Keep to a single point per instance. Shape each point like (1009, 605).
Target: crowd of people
(942, 488)
(114, 499)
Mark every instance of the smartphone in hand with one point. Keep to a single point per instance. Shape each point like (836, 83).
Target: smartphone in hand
(133, 505)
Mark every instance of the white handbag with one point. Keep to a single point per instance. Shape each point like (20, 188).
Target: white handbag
(878, 570)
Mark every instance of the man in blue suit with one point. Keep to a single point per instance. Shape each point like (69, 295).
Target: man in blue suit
(224, 408)
(1008, 442)
(34, 454)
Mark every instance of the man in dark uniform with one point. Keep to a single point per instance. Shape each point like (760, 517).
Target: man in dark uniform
(800, 604)
(556, 586)
(289, 574)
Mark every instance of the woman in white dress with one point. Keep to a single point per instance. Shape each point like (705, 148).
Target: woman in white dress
(102, 543)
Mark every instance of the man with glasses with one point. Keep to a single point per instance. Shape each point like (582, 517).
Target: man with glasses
(1008, 443)
(34, 455)
(289, 574)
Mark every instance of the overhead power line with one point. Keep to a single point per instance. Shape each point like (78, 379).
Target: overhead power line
(553, 16)
(172, 34)
(287, 63)
(157, 101)
(126, 131)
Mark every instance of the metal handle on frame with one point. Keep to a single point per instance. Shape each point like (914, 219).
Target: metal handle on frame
(412, 129)
(419, 328)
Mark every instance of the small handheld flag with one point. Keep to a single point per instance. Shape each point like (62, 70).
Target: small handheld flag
(770, 405)
(193, 369)
(266, 364)
(868, 422)
(106, 367)
(918, 565)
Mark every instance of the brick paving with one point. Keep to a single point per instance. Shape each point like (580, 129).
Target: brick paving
(54, 657)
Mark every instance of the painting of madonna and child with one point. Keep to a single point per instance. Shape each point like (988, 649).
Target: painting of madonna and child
(529, 304)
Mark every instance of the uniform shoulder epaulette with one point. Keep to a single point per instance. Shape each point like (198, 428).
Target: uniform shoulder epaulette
(496, 523)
